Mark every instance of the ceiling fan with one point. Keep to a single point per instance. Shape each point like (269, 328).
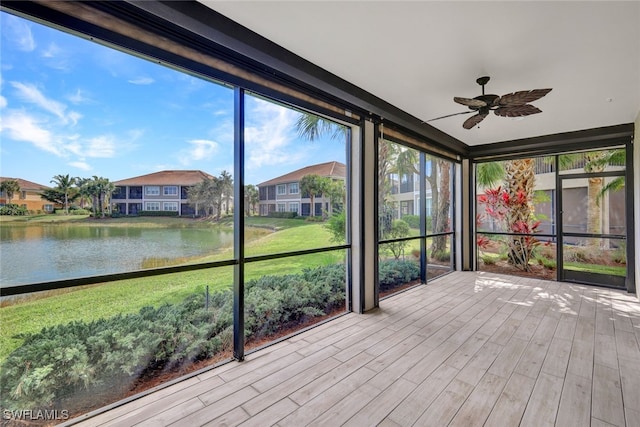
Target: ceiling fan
(514, 104)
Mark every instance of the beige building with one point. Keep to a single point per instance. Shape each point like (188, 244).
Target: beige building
(283, 193)
(29, 196)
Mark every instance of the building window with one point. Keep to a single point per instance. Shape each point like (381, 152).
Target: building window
(152, 206)
(23, 195)
(48, 208)
(170, 206)
(293, 188)
(282, 189)
(294, 206)
(152, 190)
(170, 190)
(427, 206)
(282, 207)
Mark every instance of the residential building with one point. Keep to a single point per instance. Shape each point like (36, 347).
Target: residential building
(283, 193)
(158, 191)
(29, 196)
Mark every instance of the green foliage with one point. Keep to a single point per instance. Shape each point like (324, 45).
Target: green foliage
(398, 230)
(13, 209)
(336, 225)
(412, 220)
(288, 215)
(549, 264)
(70, 360)
(158, 213)
(488, 259)
(393, 273)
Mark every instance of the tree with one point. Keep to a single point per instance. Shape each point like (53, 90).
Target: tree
(64, 184)
(207, 193)
(518, 191)
(312, 127)
(251, 199)
(313, 185)
(440, 182)
(10, 187)
(104, 189)
(226, 188)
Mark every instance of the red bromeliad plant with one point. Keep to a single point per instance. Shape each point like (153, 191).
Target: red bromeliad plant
(515, 214)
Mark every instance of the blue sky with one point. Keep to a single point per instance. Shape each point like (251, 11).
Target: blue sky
(71, 106)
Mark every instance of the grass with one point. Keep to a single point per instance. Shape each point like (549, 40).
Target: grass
(126, 296)
(596, 268)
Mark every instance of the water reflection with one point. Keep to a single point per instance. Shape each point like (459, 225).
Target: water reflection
(44, 252)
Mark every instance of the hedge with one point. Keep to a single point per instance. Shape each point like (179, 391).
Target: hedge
(59, 365)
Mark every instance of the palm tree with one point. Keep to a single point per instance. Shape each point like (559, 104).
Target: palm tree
(64, 183)
(440, 182)
(312, 127)
(596, 162)
(519, 184)
(312, 185)
(251, 199)
(226, 187)
(105, 189)
(10, 187)
(196, 195)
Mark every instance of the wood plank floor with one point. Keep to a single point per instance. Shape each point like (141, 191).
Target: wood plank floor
(469, 349)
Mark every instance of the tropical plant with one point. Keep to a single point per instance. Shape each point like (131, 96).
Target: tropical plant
(440, 181)
(399, 229)
(64, 184)
(207, 193)
(312, 127)
(518, 193)
(313, 185)
(9, 187)
(251, 199)
(226, 188)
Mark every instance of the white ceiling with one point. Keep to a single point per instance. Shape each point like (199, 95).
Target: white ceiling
(418, 55)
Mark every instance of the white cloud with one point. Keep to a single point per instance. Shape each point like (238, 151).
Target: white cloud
(80, 165)
(3, 101)
(142, 81)
(200, 149)
(19, 33)
(269, 134)
(51, 51)
(100, 146)
(79, 97)
(32, 94)
(20, 126)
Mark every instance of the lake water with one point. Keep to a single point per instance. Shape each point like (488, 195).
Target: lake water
(43, 252)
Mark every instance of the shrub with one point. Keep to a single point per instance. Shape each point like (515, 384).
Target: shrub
(158, 213)
(336, 225)
(61, 363)
(488, 259)
(288, 215)
(412, 220)
(80, 211)
(13, 209)
(394, 273)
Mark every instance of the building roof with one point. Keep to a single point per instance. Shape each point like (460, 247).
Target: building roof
(175, 177)
(329, 169)
(25, 185)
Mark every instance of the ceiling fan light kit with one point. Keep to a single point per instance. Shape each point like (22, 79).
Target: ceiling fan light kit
(514, 104)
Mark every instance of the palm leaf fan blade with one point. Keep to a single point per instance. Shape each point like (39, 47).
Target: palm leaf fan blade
(517, 111)
(473, 120)
(469, 102)
(522, 97)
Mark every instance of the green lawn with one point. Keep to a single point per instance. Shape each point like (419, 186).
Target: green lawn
(126, 296)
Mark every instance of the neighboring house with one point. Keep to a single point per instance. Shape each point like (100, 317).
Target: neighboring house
(28, 196)
(159, 191)
(283, 194)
